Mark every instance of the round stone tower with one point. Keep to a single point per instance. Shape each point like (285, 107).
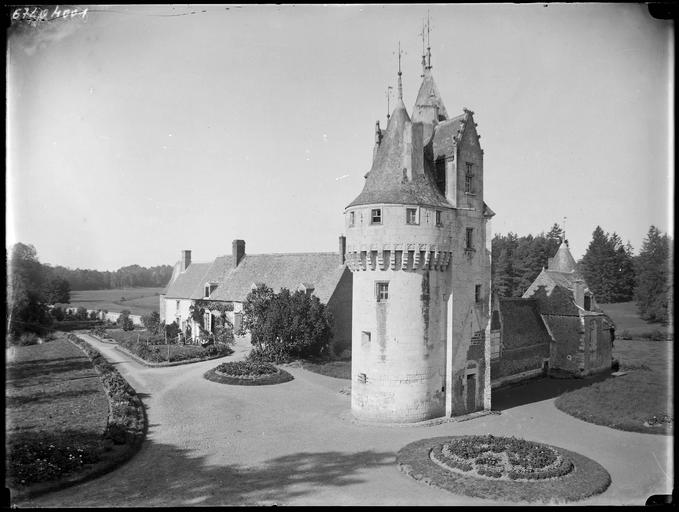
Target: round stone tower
(414, 316)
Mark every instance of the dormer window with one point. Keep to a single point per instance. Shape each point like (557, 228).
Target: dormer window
(376, 216)
(209, 288)
(411, 216)
(588, 302)
(468, 177)
(307, 288)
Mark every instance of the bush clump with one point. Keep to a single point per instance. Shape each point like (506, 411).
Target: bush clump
(246, 369)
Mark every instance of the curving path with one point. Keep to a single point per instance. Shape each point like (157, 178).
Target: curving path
(294, 443)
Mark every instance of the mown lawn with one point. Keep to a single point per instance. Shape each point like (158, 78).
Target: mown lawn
(56, 411)
(337, 369)
(629, 401)
(139, 301)
(627, 320)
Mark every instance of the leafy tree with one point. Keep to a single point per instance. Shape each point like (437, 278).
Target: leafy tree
(286, 324)
(124, 321)
(81, 313)
(151, 322)
(654, 291)
(57, 291)
(255, 308)
(26, 307)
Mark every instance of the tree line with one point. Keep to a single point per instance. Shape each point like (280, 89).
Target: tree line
(130, 276)
(33, 286)
(612, 272)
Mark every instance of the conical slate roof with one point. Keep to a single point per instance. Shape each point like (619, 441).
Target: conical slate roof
(387, 181)
(427, 97)
(563, 260)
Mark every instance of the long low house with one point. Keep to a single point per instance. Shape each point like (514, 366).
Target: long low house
(229, 279)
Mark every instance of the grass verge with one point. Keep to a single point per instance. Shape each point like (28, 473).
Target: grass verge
(587, 478)
(629, 401)
(336, 369)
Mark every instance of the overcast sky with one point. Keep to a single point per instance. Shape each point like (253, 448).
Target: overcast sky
(137, 132)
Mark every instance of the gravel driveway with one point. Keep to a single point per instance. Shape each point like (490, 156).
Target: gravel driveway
(295, 443)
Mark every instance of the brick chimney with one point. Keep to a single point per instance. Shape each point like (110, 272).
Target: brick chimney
(342, 248)
(238, 251)
(186, 260)
(579, 293)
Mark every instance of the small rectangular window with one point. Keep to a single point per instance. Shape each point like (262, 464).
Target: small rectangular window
(470, 238)
(477, 293)
(365, 336)
(376, 216)
(177, 305)
(438, 218)
(411, 216)
(468, 176)
(352, 219)
(382, 291)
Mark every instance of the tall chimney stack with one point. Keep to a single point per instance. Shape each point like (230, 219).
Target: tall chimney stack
(342, 248)
(237, 251)
(186, 260)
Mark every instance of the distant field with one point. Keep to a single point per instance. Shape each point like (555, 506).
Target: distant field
(626, 318)
(140, 301)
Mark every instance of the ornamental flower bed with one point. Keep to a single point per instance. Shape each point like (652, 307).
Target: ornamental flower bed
(246, 369)
(500, 468)
(502, 457)
(247, 373)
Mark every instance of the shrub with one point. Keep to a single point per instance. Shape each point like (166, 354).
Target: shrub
(625, 335)
(151, 322)
(27, 339)
(93, 315)
(124, 321)
(81, 313)
(57, 313)
(246, 369)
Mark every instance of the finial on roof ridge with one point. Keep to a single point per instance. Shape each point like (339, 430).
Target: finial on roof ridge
(400, 84)
(428, 45)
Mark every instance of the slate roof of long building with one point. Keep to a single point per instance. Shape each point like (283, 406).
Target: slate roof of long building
(522, 324)
(188, 282)
(321, 270)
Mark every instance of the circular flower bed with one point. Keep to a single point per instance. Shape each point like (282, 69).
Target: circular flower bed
(503, 468)
(501, 457)
(246, 373)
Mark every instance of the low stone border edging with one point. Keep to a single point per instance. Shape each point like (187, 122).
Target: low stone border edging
(586, 479)
(133, 429)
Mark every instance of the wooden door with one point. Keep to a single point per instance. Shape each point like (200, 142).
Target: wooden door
(471, 392)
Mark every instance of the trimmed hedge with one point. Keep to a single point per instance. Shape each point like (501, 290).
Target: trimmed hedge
(127, 421)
